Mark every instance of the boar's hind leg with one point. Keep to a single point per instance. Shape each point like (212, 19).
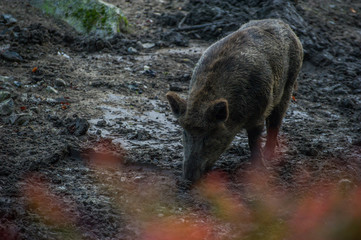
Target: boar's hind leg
(254, 141)
(274, 120)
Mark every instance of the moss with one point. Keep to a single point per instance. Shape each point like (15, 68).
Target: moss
(122, 24)
(86, 16)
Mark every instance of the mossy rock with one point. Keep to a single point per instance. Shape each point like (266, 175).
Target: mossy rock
(86, 16)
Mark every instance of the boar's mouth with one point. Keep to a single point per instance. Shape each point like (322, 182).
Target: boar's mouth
(195, 166)
(192, 170)
(196, 160)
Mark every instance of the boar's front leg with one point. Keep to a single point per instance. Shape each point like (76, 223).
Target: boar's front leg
(254, 141)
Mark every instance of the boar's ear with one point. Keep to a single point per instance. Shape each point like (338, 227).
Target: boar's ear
(177, 104)
(218, 111)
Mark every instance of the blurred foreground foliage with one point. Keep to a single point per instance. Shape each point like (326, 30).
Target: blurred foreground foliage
(259, 210)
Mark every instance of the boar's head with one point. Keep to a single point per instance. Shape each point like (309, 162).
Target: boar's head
(205, 134)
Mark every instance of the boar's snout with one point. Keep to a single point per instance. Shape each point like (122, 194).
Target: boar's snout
(192, 169)
(193, 163)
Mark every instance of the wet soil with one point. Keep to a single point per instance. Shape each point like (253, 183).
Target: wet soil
(89, 148)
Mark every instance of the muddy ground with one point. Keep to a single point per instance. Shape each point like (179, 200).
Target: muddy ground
(89, 149)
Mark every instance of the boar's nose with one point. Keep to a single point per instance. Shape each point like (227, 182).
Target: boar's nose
(192, 176)
(192, 170)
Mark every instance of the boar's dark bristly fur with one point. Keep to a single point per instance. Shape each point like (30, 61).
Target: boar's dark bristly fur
(240, 82)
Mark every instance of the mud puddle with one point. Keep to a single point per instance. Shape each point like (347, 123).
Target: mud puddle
(150, 125)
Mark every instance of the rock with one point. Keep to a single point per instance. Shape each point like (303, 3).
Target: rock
(62, 100)
(35, 109)
(7, 107)
(148, 45)
(51, 90)
(11, 56)
(345, 185)
(347, 103)
(176, 38)
(20, 119)
(5, 79)
(59, 82)
(37, 78)
(133, 87)
(150, 73)
(101, 123)
(78, 126)
(8, 19)
(34, 99)
(51, 101)
(166, 19)
(24, 97)
(87, 16)
(175, 88)
(4, 95)
(17, 83)
(132, 50)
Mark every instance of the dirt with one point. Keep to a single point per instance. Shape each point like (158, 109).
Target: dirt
(90, 150)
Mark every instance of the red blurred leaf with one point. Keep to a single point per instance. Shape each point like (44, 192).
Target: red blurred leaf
(173, 229)
(50, 207)
(22, 108)
(35, 69)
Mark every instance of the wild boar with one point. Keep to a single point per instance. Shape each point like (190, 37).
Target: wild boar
(240, 82)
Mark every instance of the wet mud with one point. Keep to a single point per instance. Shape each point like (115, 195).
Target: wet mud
(89, 148)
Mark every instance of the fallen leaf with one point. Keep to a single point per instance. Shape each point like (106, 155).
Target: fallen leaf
(34, 69)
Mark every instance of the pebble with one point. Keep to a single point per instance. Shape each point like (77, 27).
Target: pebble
(132, 50)
(51, 89)
(24, 97)
(150, 73)
(51, 101)
(4, 95)
(133, 87)
(35, 109)
(101, 123)
(20, 119)
(59, 82)
(8, 19)
(11, 56)
(175, 88)
(7, 107)
(345, 185)
(148, 45)
(17, 83)
(4, 78)
(34, 99)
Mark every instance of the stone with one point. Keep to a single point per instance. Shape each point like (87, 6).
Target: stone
(8, 19)
(11, 56)
(86, 16)
(132, 50)
(148, 45)
(59, 82)
(4, 95)
(51, 89)
(20, 119)
(7, 107)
